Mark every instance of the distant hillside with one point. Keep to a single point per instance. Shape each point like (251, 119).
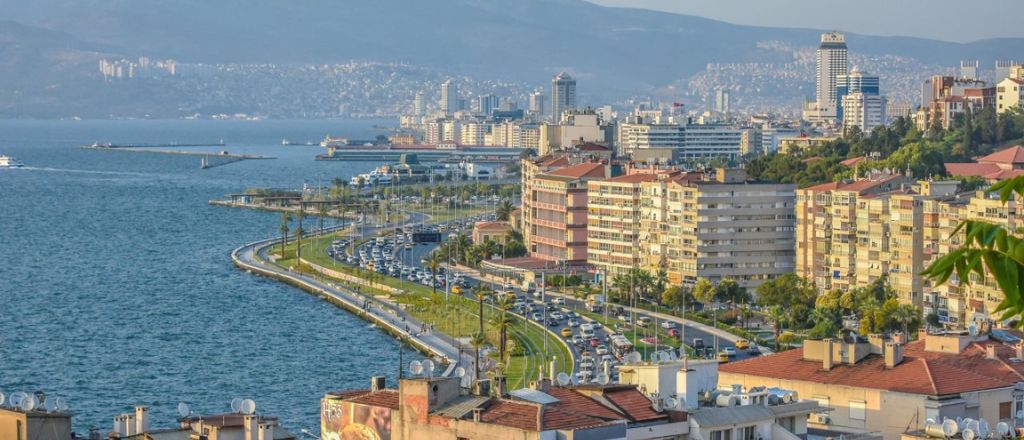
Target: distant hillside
(617, 50)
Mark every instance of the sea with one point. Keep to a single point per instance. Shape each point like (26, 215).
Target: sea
(117, 288)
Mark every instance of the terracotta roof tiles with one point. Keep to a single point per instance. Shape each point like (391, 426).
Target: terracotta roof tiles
(383, 398)
(1012, 155)
(582, 170)
(634, 404)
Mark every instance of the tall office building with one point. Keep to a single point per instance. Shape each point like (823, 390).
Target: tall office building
(563, 94)
(419, 107)
(537, 103)
(1003, 68)
(969, 69)
(863, 111)
(449, 97)
(855, 82)
(831, 60)
(488, 103)
(722, 100)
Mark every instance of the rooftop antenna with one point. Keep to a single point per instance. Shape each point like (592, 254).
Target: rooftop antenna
(236, 405)
(670, 403)
(563, 379)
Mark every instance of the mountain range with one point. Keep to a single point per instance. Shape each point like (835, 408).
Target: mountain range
(618, 49)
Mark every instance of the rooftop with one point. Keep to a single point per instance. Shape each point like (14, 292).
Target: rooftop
(589, 169)
(921, 372)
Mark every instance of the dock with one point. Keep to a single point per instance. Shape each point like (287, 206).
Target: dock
(207, 160)
(480, 155)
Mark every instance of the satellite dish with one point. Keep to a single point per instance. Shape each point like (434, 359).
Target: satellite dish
(28, 403)
(983, 428)
(967, 434)
(236, 405)
(1002, 429)
(670, 402)
(248, 406)
(2, 397)
(428, 366)
(654, 357)
(664, 356)
(929, 421)
(633, 357)
(602, 379)
(949, 427)
(964, 423)
(416, 368)
(563, 379)
(17, 397)
(50, 405)
(183, 409)
(460, 372)
(62, 403)
(973, 329)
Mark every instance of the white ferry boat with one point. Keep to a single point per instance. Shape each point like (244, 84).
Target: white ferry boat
(10, 162)
(375, 177)
(334, 141)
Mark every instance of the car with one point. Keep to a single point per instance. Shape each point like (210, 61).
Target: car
(742, 344)
(456, 289)
(553, 323)
(625, 319)
(673, 333)
(567, 332)
(573, 322)
(668, 325)
(729, 351)
(556, 315)
(558, 300)
(594, 342)
(723, 358)
(698, 343)
(644, 320)
(586, 366)
(601, 349)
(537, 294)
(535, 317)
(753, 350)
(578, 340)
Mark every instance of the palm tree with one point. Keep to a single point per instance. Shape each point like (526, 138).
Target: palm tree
(504, 210)
(478, 340)
(776, 316)
(661, 280)
(502, 322)
(301, 215)
(905, 315)
(433, 263)
(322, 211)
(286, 218)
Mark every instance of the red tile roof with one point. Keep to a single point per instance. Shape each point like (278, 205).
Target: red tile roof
(830, 186)
(971, 169)
(554, 161)
(921, 372)
(634, 178)
(864, 185)
(383, 398)
(573, 401)
(492, 225)
(849, 163)
(1012, 155)
(581, 170)
(512, 414)
(557, 417)
(590, 146)
(634, 404)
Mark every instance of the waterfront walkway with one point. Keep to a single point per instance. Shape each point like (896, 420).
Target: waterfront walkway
(252, 257)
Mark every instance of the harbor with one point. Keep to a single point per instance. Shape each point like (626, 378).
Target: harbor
(431, 154)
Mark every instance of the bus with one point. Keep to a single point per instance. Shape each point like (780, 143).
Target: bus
(621, 346)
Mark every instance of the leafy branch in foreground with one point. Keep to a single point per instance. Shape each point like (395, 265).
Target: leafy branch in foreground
(989, 247)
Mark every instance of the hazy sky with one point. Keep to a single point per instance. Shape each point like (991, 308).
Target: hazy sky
(950, 20)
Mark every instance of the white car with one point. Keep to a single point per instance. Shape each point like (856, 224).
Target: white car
(558, 300)
(556, 315)
(601, 350)
(668, 325)
(573, 323)
(729, 351)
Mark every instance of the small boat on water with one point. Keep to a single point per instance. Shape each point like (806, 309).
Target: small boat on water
(10, 162)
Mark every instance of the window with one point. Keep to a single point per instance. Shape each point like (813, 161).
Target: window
(721, 434)
(746, 433)
(857, 410)
(1005, 410)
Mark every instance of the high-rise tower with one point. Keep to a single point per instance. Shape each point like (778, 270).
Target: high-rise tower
(563, 94)
(449, 97)
(831, 62)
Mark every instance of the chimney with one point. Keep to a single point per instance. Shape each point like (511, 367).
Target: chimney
(250, 427)
(1019, 349)
(501, 383)
(893, 354)
(141, 419)
(877, 343)
(551, 375)
(900, 338)
(826, 358)
(378, 383)
(477, 413)
(266, 431)
(990, 351)
(129, 424)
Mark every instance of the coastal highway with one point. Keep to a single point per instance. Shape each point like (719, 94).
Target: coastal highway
(252, 257)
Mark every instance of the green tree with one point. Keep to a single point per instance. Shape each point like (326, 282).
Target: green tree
(989, 249)
(504, 210)
(433, 263)
(478, 341)
(830, 300)
(502, 322)
(704, 292)
(322, 213)
(787, 291)
(300, 216)
(777, 317)
(828, 322)
(286, 218)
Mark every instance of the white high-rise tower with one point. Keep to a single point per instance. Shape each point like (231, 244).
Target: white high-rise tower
(418, 106)
(563, 95)
(831, 62)
(449, 97)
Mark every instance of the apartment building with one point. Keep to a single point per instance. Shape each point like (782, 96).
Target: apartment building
(556, 203)
(717, 227)
(614, 223)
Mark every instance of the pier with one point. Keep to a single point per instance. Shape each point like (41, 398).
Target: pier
(207, 159)
(480, 155)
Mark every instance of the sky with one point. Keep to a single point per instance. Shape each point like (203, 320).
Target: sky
(936, 19)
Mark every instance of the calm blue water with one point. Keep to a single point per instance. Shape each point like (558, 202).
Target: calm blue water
(116, 286)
